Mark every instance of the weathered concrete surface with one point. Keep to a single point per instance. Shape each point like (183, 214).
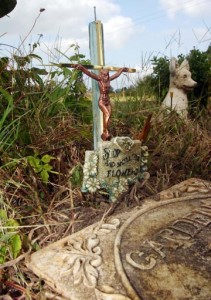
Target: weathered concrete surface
(160, 251)
(114, 166)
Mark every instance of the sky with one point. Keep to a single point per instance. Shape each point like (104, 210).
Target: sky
(134, 30)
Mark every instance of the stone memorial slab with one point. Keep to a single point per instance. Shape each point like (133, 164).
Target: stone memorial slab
(161, 250)
(114, 166)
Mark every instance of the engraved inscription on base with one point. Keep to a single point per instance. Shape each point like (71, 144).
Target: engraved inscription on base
(165, 253)
(117, 164)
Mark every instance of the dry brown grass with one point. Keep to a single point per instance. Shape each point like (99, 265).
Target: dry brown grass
(48, 212)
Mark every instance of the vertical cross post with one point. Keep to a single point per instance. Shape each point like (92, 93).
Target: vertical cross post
(96, 46)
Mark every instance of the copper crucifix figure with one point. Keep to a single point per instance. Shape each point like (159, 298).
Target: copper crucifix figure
(104, 83)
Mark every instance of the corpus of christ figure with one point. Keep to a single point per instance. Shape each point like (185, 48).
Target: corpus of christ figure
(104, 85)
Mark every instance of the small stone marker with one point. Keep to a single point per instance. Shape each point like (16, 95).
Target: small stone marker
(161, 250)
(114, 166)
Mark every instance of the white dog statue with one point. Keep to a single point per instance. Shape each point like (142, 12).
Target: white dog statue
(180, 83)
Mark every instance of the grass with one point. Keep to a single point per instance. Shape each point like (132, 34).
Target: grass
(50, 122)
(48, 212)
(181, 146)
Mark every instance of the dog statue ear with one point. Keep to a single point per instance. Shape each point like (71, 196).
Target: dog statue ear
(185, 65)
(173, 65)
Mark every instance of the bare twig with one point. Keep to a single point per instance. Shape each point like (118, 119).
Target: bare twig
(30, 29)
(13, 262)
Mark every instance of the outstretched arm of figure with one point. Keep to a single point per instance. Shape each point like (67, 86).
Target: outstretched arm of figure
(85, 71)
(118, 73)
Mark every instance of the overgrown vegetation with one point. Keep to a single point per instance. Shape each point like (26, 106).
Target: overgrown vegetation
(45, 128)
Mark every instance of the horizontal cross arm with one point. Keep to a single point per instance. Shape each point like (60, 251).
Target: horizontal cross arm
(93, 67)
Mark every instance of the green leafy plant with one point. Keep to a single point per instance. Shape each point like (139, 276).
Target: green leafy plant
(201, 72)
(10, 240)
(41, 166)
(8, 127)
(76, 175)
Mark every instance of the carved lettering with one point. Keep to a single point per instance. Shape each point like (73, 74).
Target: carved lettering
(157, 247)
(206, 203)
(186, 226)
(178, 234)
(200, 217)
(150, 261)
(110, 164)
(173, 238)
(124, 172)
(110, 153)
(121, 162)
(105, 153)
(125, 160)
